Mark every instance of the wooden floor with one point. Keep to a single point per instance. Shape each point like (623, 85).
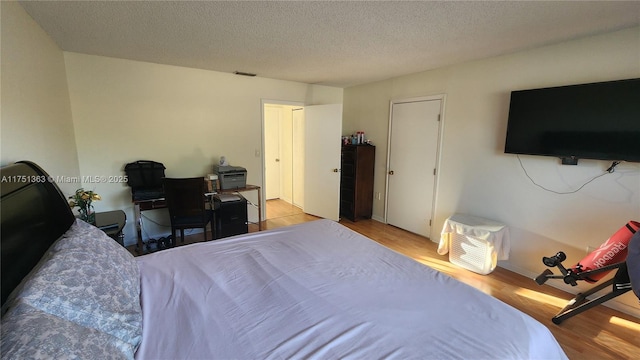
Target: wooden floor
(599, 333)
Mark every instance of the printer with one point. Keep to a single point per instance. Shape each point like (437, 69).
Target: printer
(231, 177)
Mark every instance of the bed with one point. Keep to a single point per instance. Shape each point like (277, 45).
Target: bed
(316, 290)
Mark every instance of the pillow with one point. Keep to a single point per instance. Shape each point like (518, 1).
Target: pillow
(89, 279)
(28, 333)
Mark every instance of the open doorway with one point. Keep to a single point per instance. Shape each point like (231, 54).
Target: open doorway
(283, 160)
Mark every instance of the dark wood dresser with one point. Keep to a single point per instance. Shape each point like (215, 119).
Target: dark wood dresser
(356, 181)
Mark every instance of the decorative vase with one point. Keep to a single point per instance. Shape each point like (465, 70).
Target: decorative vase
(88, 215)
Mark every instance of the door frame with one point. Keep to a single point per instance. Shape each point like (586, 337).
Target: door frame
(442, 98)
(264, 102)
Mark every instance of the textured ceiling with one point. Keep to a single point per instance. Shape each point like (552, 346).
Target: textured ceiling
(335, 43)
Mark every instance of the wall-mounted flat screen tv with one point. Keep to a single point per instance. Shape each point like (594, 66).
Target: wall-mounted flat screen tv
(588, 121)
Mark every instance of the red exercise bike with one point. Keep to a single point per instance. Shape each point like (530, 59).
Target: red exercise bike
(611, 255)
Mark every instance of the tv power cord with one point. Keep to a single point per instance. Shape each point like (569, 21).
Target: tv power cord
(609, 170)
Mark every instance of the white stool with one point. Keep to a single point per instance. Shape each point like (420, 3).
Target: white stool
(474, 243)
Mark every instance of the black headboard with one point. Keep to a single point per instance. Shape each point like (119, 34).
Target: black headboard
(34, 214)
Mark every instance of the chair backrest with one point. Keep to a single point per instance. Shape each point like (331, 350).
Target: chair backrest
(145, 179)
(185, 197)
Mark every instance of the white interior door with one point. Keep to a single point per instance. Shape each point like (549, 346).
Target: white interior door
(298, 157)
(413, 144)
(286, 155)
(272, 118)
(323, 129)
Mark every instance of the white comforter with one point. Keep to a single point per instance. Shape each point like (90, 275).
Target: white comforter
(321, 291)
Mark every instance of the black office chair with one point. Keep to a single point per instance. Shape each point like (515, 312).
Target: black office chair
(186, 203)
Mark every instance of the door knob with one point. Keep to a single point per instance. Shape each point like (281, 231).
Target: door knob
(336, 170)
(277, 160)
(390, 172)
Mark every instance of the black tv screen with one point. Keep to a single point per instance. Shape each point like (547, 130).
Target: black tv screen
(588, 121)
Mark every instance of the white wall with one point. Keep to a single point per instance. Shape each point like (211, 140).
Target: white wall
(125, 111)
(476, 177)
(184, 118)
(36, 121)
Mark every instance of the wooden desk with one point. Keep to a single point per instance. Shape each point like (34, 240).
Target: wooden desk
(138, 207)
(141, 205)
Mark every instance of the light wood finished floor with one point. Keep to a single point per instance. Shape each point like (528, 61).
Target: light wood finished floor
(599, 333)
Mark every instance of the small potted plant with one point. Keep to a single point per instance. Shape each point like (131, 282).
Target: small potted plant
(82, 199)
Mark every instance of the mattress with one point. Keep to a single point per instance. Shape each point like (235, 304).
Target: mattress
(321, 291)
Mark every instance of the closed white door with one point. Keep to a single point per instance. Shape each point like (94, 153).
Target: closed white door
(413, 143)
(272, 118)
(323, 130)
